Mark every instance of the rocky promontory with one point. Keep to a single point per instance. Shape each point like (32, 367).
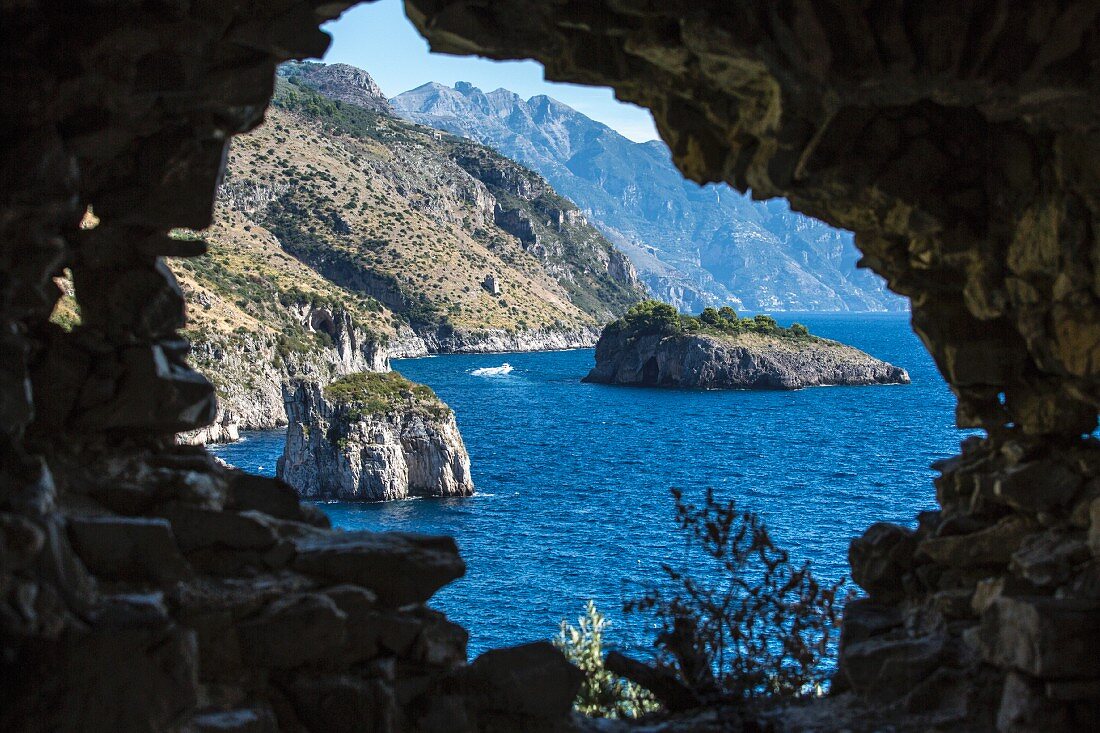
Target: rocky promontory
(654, 346)
(250, 370)
(372, 437)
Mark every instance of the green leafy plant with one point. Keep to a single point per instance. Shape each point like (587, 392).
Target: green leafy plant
(756, 626)
(376, 393)
(710, 316)
(602, 694)
(650, 317)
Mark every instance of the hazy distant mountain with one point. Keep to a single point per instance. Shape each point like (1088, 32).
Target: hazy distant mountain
(692, 245)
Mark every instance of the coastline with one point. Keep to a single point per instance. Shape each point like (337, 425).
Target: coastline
(254, 409)
(408, 346)
(572, 461)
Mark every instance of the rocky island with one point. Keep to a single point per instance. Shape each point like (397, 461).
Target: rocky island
(372, 437)
(654, 346)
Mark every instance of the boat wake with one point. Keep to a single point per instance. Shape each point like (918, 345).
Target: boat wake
(499, 371)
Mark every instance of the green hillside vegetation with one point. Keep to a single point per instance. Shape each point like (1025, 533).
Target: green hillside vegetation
(66, 312)
(246, 288)
(652, 317)
(372, 393)
(261, 294)
(381, 206)
(331, 205)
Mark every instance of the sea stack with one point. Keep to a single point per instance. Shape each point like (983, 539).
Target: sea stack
(372, 437)
(654, 346)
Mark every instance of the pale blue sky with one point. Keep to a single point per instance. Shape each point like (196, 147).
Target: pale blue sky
(379, 38)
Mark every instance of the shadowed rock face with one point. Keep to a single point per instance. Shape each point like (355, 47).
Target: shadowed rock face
(746, 361)
(960, 145)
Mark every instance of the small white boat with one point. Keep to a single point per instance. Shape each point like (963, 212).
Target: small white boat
(499, 371)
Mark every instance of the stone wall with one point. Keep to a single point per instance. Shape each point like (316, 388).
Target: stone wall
(143, 586)
(960, 143)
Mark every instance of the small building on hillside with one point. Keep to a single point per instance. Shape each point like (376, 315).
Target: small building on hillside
(490, 283)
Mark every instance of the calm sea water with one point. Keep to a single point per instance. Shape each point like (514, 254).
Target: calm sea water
(573, 479)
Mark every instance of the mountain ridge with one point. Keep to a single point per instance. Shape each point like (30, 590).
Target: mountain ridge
(692, 245)
(345, 235)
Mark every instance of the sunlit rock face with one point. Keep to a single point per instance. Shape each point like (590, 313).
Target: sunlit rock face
(960, 145)
(337, 450)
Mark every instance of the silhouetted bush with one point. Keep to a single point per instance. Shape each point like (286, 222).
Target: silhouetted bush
(757, 625)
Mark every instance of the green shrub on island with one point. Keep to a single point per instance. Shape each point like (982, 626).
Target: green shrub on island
(652, 317)
(377, 393)
(602, 694)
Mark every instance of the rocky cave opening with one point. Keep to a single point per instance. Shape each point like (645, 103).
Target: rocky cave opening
(650, 372)
(144, 587)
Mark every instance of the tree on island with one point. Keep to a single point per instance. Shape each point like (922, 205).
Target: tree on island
(653, 317)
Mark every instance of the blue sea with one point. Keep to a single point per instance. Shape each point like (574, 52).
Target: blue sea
(573, 479)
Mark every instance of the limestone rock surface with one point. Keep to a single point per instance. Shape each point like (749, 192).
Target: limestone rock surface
(250, 370)
(336, 449)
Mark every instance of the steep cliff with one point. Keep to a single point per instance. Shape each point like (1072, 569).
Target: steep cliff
(654, 347)
(250, 370)
(258, 318)
(372, 437)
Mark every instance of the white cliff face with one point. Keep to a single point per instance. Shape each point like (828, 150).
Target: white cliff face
(495, 340)
(250, 371)
(409, 345)
(406, 345)
(352, 349)
(334, 450)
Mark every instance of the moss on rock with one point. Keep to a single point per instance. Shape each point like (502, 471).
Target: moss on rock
(371, 393)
